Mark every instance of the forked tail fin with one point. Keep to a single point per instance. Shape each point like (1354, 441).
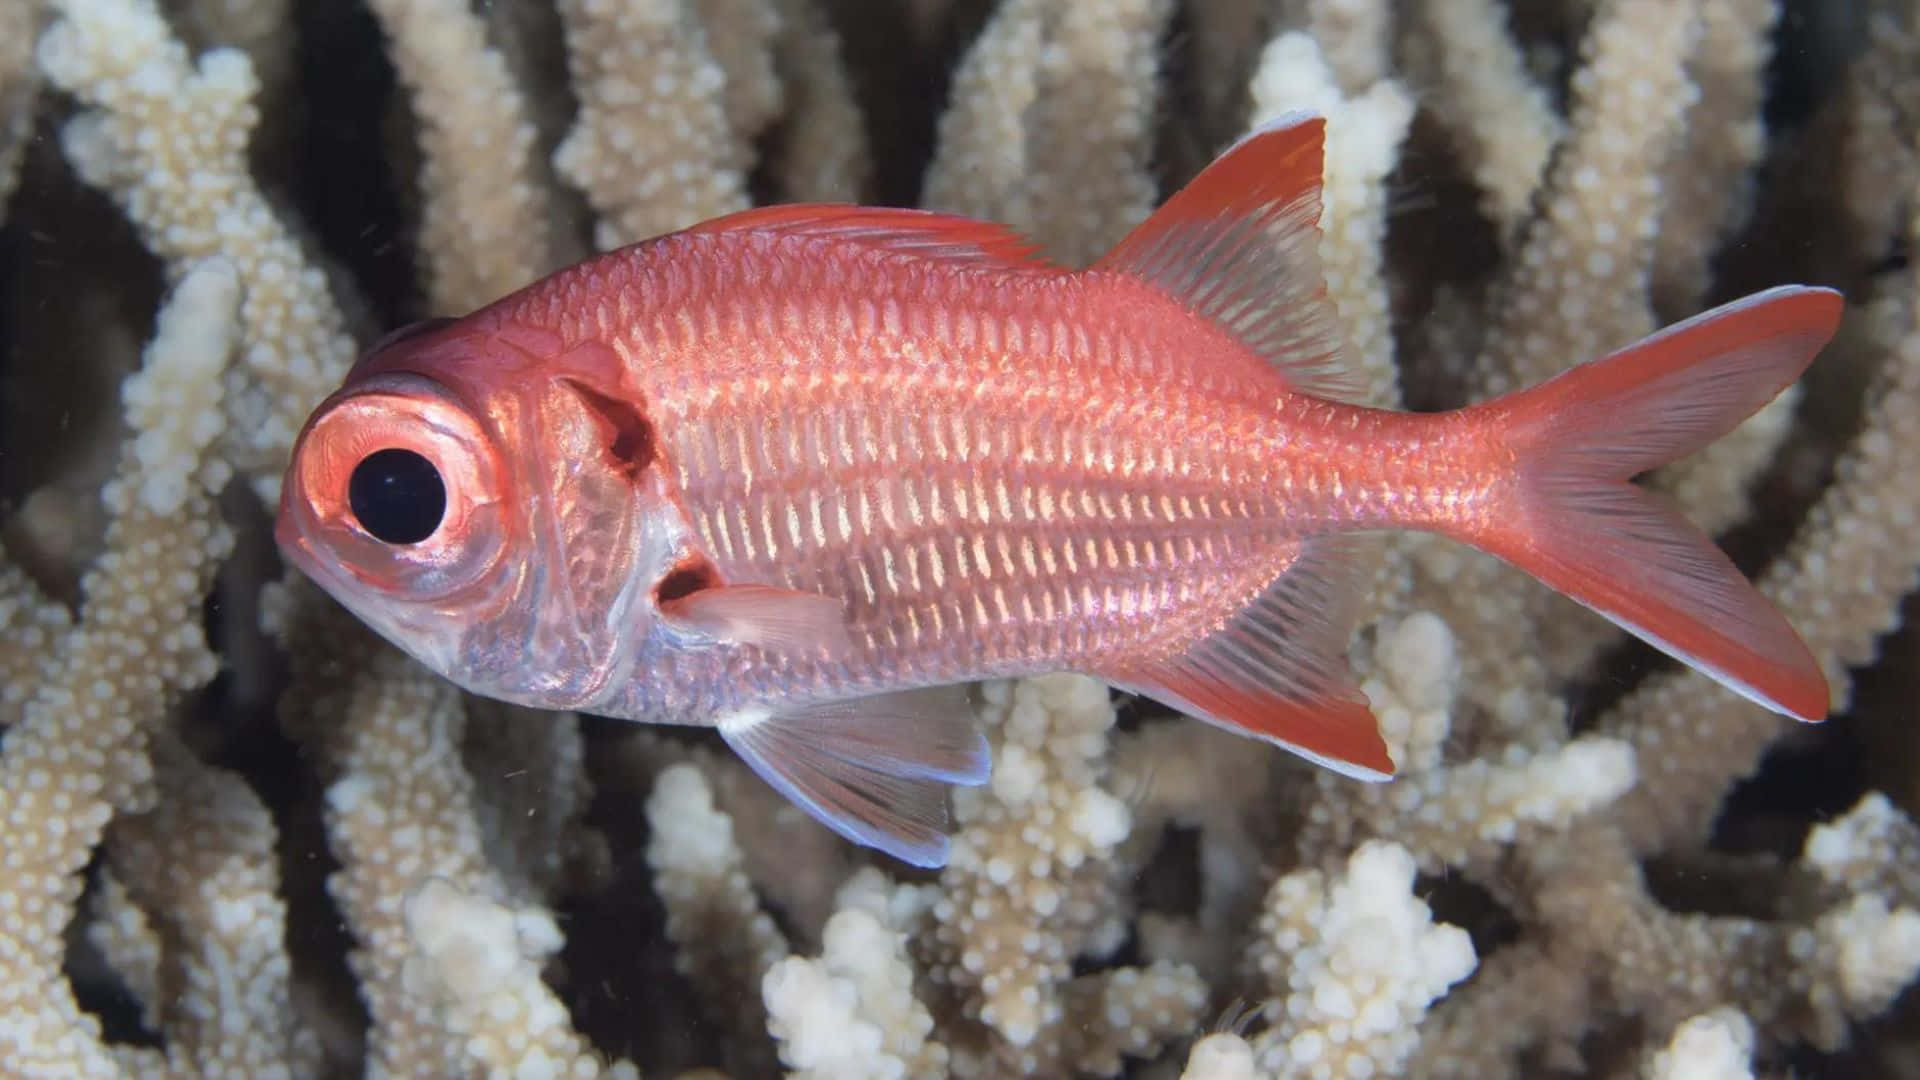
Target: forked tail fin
(1575, 522)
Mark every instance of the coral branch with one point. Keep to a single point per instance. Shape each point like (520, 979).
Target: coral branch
(79, 751)
(1050, 131)
(403, 879)
(653, 148)
(201, 865)
(485, 227)
(19, 86)
(1502, 118)
(168, 139)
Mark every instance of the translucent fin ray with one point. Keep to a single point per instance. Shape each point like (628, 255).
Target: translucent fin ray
(1278, 669)
(873, 769)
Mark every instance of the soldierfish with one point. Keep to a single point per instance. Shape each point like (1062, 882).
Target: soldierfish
(799, 472)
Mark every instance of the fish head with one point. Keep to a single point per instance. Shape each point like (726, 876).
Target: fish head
(487, 508)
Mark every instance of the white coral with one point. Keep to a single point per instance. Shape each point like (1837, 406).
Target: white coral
(1354, 962)
(1713, 1046)
(851, 1013)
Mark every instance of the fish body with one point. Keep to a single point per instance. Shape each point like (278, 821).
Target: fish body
(791, 472)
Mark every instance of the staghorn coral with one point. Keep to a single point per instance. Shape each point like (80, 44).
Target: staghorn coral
(1502, 121)
(1711, 1046)
(863, 982)
(653, 148)
(1510, 188)
(1352, 964)
(79, 752)
(1034, 882)
(1052, 98)
(168, 138)
(196, 888)
(19, 83)
(485, 223)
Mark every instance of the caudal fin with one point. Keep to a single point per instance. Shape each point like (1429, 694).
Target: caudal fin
(1576, 523)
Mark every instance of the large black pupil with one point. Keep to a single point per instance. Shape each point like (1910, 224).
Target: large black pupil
(397, 495)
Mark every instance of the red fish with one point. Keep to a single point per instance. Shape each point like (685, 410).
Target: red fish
(799, 472)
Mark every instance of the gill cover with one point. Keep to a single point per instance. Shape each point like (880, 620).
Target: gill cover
(613, 520)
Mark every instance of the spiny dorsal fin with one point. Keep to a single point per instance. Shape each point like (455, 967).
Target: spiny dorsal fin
(886, 228)
(1240, 245)
(1278, 669)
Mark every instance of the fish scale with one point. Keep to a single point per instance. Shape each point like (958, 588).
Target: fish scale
(913, 547)
(906, 507)
(799, 472)
(936, 473)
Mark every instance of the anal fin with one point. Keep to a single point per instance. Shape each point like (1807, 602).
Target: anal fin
(873, 769)
(1278, 670)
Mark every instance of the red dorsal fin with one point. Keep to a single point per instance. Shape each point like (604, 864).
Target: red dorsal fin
(1278, 669)
(1240, 245)
(886, 228)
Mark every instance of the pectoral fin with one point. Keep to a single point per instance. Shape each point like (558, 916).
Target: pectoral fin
(782, 620)
(873, 769)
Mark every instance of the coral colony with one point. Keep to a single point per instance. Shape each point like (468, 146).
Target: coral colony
(245, 836)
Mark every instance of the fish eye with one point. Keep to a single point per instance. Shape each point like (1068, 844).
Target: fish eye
(397, 488)
(397, 496)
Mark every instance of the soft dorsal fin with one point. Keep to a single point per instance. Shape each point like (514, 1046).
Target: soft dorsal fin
(1278, 669)
(887, 228)
(1240, 245)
